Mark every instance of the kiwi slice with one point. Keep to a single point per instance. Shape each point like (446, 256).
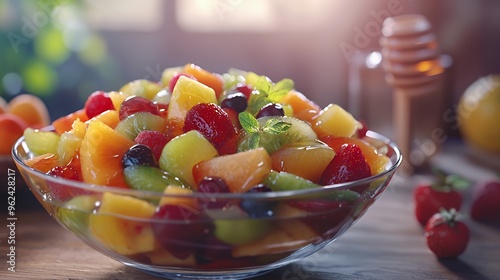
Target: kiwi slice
(133, 124)
(299, 131)
(150, 178)
(283, 181)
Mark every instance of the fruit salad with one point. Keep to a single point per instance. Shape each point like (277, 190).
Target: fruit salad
(213, 160)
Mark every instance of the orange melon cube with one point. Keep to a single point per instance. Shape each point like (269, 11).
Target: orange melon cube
(240, 171)
(205, 77)
(303, 108)
(64, 123)
(101, 153)
(305, 160)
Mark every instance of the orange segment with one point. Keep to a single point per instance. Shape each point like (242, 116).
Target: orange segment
(101, 155)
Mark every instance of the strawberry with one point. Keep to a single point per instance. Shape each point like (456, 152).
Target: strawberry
(430, 198)
(348, 165)
(446, 236)
(211, 121)
(486, 201)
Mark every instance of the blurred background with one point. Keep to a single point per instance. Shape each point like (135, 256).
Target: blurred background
(63, 50)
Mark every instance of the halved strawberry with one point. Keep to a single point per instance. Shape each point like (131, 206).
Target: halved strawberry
(211, 121)
(348, 165)
(64, 192)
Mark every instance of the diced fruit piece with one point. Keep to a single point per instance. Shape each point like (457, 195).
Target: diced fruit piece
(236, 101)
(348, 165)
(109, 118)
(183, 152)
(139, 155)
(486, 201)
(101, 153)
(175, 194)
(131, 126)
(271, 109)
(117, 98)
(155, 140)
(136, 104)
(211, 121)
(285, 236)
(11, 129)
(168, 74)
(334, 120)
(97, 103)
(75, 213)
(175, 78)
(376, 161)
(41, 142)
(245, 89)
(307, 160)
(143, 88)
(162, 98)
(233, 116)
(187, 93)
(3, 106)
(63, 192)
(65, 123)
(299, 131)
(30, 109)
(165, 258)
(303, 108)
(240, 231)
(147, 178)
(203, 76)
(178, 229)
(70, 141)
(240, 171)
(43, 163)
(115, 224)
(283, 181)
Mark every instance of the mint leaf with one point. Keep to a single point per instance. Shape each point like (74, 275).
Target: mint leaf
(264, 84)
(275, 126)
(248, 122)
(280, 89)
(254, 140)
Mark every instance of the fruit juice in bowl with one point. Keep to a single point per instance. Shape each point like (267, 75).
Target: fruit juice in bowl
(206, 176)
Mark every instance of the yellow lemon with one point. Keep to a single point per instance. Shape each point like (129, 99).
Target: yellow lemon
(478, 114)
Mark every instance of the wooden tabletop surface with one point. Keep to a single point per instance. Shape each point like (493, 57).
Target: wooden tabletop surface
(386, 243)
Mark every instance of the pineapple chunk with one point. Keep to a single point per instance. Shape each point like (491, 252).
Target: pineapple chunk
(334, 120)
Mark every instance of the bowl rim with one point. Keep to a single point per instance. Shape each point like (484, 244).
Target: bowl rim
(266, 195)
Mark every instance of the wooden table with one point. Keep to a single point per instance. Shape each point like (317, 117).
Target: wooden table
(387, 243)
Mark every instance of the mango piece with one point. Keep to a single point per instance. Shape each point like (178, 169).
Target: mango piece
(303, 108)
(116, 224)
(65, 123)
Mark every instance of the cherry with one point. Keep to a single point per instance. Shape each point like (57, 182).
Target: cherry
(245, 89)
(98, 102)
(136, 104)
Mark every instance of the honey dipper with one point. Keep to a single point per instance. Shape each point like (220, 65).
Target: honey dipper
(411, 60)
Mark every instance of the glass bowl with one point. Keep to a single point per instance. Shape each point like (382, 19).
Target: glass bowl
(176, 243)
